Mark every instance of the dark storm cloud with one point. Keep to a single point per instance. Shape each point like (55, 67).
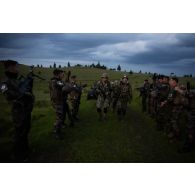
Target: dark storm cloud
(157, 50)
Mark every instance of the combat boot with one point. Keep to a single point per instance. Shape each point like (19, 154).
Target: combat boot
(57, 134)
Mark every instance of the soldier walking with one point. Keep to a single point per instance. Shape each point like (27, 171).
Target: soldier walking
(103, 90)
(125, 96)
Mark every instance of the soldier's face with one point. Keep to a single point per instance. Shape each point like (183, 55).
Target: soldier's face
(14, 69)
(160, 80)
(165, 80)
(104, 79)
(124, 80)
(61, 75)
(172, 83)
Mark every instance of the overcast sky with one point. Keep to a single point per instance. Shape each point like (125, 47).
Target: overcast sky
(162, 53)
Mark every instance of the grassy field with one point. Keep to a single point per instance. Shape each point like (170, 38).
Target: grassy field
(132, 140)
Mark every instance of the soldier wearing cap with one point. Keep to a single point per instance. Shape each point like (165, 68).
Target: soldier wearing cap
(125, 96)
(21, 107)
(103, 90)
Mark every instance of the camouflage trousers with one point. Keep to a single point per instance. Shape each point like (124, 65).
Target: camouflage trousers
(59, 111)
(22, 123)
(102, 102)
(152, 106)
(122, 106)
(74, 107)
(173, 126)
(66, 112)
(114, 102)
(162, 116)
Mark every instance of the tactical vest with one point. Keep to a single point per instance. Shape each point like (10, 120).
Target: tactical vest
(104, 89)
(177, 98)
(125, 90)
(163, 91)
(55, 87)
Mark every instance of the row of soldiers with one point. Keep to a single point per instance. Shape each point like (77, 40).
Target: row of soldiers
(115, 94)
(166, 100)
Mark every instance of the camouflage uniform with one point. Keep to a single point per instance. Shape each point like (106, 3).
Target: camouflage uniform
(103, 91)
(152, 103)
(114, 94)
(66, 108)
(176, 102)
(125, 96)
(21, 108)
(162, 111)
(56, 95)
(74, 99)
(144, 93)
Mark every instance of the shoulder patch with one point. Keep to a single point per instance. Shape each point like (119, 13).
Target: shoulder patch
(3, 87)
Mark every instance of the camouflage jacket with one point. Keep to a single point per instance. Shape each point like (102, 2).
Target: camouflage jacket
(16, 98)
(75, 92)
(162, 91)
(103, 89)
(56, 93)
(176, 98)
(125, 91)
(145, 90)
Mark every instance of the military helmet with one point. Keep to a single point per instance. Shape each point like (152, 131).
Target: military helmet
(104, 75)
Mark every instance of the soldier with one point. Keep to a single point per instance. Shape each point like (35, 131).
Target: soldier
(176, 102)
(103, 90)
(65, 91)
(125, 96)
(56, 95)
(114, 94)
(152, 100)
(144, 93)
(162, 94)
(21, 102)
(74, 97)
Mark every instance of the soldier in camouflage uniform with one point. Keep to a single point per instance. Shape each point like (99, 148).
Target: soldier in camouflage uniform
(144, 93)
(162, 94)
(74, 97)
(56, 94)
(103, 90)
(114, 94)
(125, 96)
(152, 98)
(21, 107)
(175, 102)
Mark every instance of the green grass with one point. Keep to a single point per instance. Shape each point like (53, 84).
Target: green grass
(133, 140)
